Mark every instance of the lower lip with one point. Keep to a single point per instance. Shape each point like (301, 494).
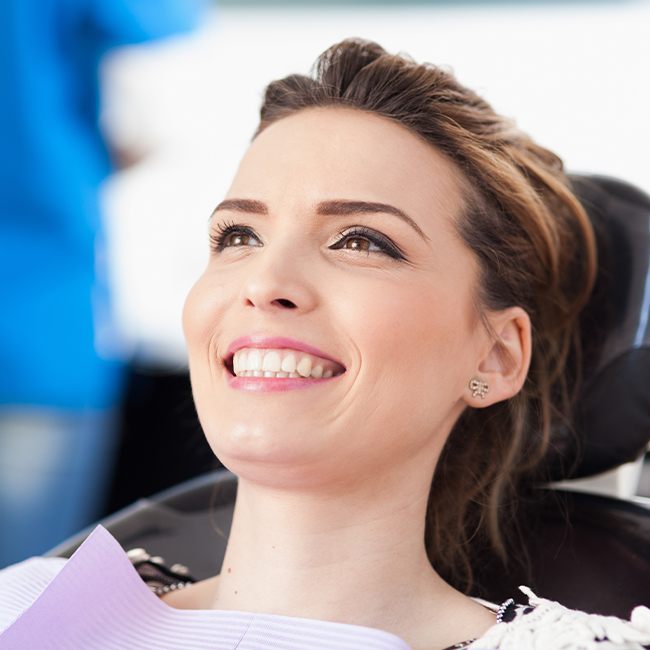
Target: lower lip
(274, 384)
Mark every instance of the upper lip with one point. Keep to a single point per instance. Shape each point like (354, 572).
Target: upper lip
(271, 342)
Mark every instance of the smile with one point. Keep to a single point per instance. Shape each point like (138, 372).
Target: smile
(281, 364)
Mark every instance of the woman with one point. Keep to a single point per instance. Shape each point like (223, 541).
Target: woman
(391, 296)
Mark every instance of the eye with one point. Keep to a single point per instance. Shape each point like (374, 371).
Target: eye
(360, 238)
(368, 241)
(231, 235)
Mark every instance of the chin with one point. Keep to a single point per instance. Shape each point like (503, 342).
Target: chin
(246, 447)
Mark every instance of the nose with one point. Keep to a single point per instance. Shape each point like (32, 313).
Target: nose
(278, 279)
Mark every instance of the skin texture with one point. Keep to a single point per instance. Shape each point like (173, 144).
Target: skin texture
(334, 479)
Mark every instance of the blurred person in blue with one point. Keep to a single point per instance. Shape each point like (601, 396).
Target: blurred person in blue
(61, 366)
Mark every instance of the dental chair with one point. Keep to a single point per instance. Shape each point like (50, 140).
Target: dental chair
(590, 551)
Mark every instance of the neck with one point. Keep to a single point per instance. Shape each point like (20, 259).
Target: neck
(357, 557)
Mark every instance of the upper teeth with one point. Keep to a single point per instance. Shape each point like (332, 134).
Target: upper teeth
(254, 362)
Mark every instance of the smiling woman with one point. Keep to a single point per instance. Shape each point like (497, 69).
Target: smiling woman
(378, 348)
(382, 189)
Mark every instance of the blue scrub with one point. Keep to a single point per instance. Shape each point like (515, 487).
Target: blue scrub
(60, 357)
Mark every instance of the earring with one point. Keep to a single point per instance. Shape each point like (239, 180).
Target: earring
(479, 388)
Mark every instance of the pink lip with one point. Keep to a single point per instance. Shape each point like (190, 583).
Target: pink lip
(270, 384)
(258, 341)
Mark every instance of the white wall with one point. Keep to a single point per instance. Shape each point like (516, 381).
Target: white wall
(575, 76)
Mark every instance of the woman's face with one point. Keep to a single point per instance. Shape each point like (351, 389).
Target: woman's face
(341, 237)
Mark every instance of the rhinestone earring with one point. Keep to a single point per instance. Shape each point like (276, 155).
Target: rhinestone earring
(479, 388)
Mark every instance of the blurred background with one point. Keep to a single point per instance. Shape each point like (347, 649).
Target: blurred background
(175, 102)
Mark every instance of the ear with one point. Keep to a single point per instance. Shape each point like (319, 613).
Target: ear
(505, 362)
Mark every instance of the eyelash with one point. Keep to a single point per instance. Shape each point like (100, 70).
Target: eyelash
(387, 247)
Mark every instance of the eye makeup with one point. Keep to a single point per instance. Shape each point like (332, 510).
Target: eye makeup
(361, 232)
(219, 240)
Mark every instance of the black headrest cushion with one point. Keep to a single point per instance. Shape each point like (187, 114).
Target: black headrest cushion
(612, 418)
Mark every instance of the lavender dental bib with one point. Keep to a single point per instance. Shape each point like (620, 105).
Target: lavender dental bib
(97, 600)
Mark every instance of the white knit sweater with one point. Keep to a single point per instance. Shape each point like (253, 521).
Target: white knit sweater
(551, 626)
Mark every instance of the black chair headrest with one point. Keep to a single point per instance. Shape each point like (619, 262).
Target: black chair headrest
(612, 420)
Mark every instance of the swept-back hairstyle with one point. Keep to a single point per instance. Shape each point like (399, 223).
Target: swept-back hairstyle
(535, 248)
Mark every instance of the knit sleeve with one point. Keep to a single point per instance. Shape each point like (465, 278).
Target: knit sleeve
(549, 625)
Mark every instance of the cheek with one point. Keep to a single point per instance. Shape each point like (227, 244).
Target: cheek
(414, 351)
(414, 330)
(203, 314)
(204, 306)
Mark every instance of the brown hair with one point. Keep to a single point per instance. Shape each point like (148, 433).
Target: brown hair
(536, 249)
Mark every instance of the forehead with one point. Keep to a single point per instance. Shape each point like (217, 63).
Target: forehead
(323, 153)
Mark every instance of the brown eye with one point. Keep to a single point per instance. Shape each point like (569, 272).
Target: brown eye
(367, 241)
(233, 236)
(237, 239)
(357, 244)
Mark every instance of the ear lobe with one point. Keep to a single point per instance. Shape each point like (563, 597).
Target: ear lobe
(505, 365)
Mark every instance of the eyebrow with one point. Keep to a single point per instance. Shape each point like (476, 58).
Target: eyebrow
(242, 205)
(338, 208)
(327, 208)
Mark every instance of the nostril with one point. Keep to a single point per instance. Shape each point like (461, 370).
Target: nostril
(285, 303)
